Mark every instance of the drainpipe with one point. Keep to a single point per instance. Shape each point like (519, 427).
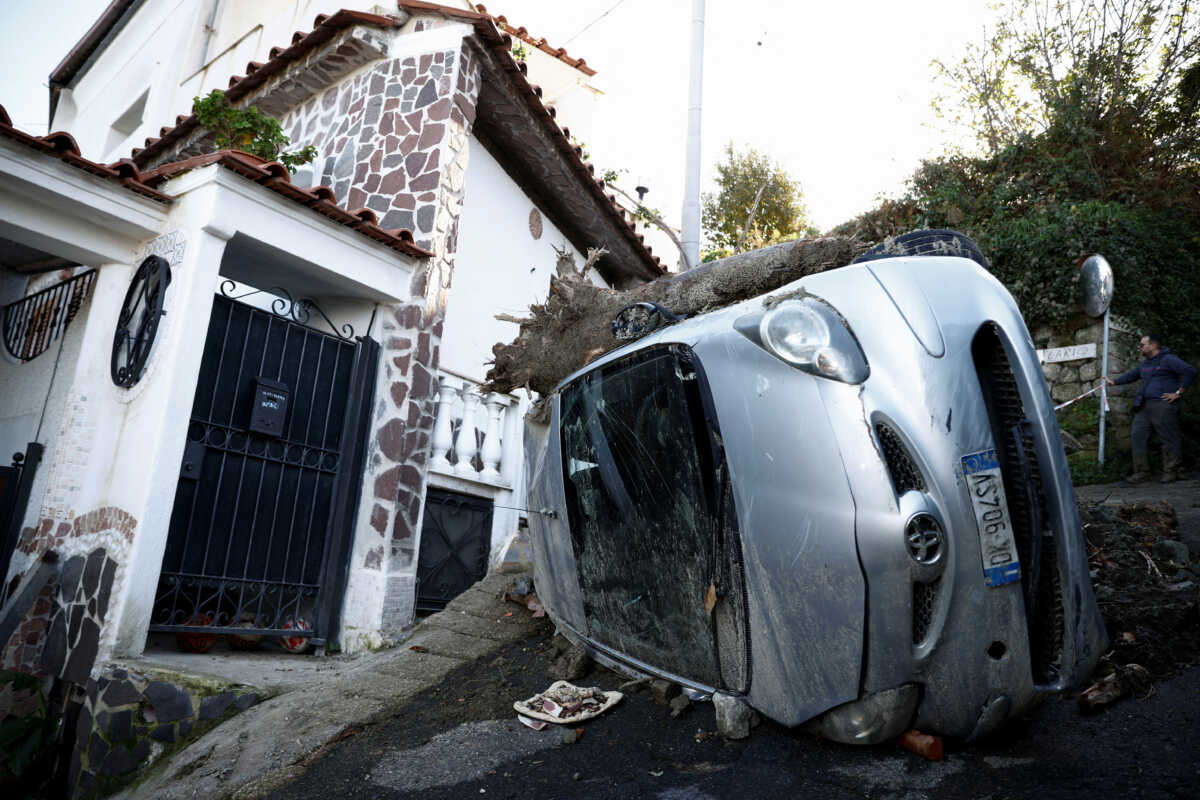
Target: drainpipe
(691, 187)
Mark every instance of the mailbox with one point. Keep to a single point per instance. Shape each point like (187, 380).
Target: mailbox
(270, 407)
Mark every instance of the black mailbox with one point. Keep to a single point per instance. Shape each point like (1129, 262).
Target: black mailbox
(270, 406)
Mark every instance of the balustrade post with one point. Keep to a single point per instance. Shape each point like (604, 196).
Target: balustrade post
(465, 447)
(443, 436)
(492, 451)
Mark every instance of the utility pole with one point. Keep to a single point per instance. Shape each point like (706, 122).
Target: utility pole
(691, 186)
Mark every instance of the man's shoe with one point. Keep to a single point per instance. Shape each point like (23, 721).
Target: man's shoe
(1138, 477)
(1168, 477)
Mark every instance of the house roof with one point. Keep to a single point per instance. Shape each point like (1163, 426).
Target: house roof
(325, 28)
(61, 145)
(86, 49)
(521, 133)
(511, 121)
(275, 176)
(541, 44)
(272, 175)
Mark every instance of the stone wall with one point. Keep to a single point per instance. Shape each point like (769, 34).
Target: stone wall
(395, 139)
(1071, 378)
(64, 634)
(124, 720)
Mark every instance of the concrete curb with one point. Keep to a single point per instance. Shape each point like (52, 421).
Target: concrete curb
(260, 749)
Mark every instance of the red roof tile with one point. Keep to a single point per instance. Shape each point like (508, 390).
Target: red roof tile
(275, 176)
(62, 146)
(522, 34)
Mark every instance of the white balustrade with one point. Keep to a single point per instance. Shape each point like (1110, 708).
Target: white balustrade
(466, 445)
(457, 449)
(443, 430)
(492, 451)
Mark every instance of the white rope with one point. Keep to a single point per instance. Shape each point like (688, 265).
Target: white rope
(1080, 397)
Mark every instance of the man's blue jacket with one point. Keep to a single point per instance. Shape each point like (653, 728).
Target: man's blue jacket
(1162, 374)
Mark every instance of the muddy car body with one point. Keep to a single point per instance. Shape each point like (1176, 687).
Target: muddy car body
(846, 502)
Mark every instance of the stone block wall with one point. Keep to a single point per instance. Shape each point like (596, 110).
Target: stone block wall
(124, 720)
(1070, 379)
(64, 634)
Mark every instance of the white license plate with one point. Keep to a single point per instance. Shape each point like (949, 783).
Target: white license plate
(997, 547)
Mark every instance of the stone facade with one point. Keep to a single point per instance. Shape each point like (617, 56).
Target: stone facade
(395, 139)
(124, 720)
(64, 633)
(382, 136)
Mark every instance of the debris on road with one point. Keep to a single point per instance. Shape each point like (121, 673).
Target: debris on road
(923, 744)
(564, 702)
(536, 724)
(735, 717)
(663, 691)
(1152, 614)
(572, 664)
(680, 705)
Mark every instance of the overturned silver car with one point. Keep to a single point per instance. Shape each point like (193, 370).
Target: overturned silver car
(846, 502)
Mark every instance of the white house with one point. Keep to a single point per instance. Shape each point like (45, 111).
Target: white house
(261, 413)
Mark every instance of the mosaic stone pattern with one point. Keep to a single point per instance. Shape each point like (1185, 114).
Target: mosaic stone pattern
(126, 719)
(396, 139)
(64, 633)
(381, 136)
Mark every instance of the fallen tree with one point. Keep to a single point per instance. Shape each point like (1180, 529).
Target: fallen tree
(573, 326)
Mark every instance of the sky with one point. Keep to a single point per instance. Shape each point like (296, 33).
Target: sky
(838, 93)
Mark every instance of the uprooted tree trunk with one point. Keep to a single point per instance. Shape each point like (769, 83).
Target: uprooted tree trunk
(573, 326)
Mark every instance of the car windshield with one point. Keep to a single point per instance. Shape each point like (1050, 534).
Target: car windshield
(640, 486)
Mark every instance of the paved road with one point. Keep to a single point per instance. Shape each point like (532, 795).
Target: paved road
(460, 740)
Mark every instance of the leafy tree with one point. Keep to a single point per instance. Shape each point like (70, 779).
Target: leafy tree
(1110, 65)
(248, 129)
(1087, 111)
(778, 213)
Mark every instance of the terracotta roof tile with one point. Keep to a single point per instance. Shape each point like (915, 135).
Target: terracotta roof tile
(325, 27)
(522, 34)
(275, 176)
(62, 146)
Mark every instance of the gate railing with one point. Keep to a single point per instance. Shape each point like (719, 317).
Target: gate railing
(470, 432)
(16, 482)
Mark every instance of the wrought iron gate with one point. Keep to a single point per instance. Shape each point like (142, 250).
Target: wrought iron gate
(455, 538)
(264, 509)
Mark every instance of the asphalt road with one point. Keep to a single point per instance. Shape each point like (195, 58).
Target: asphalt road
(460, 739)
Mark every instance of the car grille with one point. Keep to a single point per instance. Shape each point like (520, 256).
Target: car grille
(1023, 490)
(900, 465)
(924, 601)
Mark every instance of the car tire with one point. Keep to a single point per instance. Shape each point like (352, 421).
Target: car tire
(928, 242)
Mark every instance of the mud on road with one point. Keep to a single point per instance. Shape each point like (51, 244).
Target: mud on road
(460, 739)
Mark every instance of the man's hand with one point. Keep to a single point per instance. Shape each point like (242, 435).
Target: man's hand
(1171, 397)
(1109, 381)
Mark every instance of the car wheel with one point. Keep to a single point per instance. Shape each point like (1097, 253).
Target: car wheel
(929, 242)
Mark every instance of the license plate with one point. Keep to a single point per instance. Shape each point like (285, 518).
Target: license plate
(997, 547)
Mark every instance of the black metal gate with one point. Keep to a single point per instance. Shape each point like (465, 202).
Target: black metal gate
(267, 494)
(456, 536)
(15, 484)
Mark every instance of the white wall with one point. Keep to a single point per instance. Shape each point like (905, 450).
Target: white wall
(33, 394)
(499, 268)
(160, 49)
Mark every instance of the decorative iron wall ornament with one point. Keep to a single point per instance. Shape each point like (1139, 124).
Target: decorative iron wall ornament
(283, 305)
(33, 323)
(138, 323)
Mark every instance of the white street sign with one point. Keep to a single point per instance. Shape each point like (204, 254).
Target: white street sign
(1072, 353)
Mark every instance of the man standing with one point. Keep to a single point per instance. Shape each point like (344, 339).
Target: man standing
(1164, 379)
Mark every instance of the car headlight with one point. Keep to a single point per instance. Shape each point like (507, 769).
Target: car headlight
(809, 334)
